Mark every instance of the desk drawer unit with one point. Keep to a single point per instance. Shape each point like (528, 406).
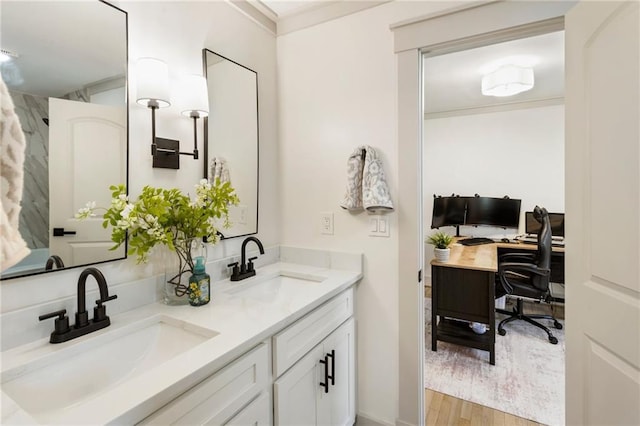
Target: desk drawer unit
(460, 295)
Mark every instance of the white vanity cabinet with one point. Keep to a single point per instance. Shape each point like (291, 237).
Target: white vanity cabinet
(236, 394)
(313, 378)
(319, 386)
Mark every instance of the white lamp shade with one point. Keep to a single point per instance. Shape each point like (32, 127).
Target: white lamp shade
(195, 96)
(152, 78)
(507, 80)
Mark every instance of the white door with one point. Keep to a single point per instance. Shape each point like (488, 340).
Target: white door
(88, 141)
(297, 392)
(603, 213)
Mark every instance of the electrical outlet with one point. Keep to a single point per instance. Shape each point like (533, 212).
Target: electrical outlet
(326, 223)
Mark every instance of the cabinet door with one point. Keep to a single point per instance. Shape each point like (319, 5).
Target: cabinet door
(296, 392)
(341, 396)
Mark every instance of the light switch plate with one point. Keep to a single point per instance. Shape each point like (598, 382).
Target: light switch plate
(378, 226)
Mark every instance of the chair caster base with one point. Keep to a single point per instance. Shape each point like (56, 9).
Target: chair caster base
(502, 331)
(557, 325)
(553, 340)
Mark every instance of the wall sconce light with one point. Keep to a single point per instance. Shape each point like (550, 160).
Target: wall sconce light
(153, 91)
(507, 80)
(196, 103)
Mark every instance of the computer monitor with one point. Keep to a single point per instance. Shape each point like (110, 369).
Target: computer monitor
(448, 211)
(500, 212)
(531, 226)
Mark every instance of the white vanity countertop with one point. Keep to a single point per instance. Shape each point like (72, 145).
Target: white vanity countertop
(241, 321)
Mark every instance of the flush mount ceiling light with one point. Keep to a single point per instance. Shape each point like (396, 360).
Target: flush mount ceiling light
(508, 80)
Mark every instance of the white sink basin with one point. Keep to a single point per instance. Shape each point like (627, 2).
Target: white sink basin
(268, 289)
(45, 388)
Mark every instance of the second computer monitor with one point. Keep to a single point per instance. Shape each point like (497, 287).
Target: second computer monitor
(531, 226)
(499, 212)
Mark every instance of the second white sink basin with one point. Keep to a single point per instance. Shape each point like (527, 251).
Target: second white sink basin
(268, 289)
(47, 387)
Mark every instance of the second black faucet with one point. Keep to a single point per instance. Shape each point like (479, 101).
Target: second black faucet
(246, 269)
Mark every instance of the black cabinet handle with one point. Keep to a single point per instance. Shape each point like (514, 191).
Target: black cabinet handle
(326, 374)
(60, 232)
(332, 376)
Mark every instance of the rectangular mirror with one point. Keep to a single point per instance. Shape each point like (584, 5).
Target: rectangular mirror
(67, 77)
(231, 137)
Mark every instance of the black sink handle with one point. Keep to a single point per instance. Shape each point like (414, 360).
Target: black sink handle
(99, 302)
(250, 265)
(61, 325)
(99, 311)
(61, 313)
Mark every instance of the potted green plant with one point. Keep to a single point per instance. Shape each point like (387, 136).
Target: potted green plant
(167, 217)
(441, 242)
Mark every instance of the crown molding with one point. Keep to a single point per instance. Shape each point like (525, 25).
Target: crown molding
(323, 13)
(501, 107)
(297, 20)
(264, 18)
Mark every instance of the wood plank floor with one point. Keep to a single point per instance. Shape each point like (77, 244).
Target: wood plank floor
(445, 410)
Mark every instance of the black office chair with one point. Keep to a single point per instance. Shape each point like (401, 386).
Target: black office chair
(527, 275)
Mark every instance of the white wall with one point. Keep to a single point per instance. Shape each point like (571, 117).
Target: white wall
(175, 32)
(337, 90)
(519, 153)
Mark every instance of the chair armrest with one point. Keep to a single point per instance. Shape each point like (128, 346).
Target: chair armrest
(518, 267)
(518, 257)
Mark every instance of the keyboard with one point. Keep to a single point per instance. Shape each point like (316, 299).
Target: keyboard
(476, 241)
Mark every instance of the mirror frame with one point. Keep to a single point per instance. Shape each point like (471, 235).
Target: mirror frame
(127, 85)
(206, 141)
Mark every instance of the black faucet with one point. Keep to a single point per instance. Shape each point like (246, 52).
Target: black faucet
(62, 331)
(245, 270)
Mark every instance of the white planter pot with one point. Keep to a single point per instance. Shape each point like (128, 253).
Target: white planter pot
(442, 255)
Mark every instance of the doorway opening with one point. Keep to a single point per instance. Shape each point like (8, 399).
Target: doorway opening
(487, 146)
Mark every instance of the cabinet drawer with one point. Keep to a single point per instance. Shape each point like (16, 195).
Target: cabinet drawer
(293, 342)
(219, 397)
(258, 413)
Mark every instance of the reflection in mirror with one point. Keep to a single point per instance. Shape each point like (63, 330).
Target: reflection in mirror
(231, 137)
(67, 77)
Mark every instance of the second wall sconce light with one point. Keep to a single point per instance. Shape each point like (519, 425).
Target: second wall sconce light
(153, 91)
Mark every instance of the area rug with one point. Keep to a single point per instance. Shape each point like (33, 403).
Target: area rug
(527, 380)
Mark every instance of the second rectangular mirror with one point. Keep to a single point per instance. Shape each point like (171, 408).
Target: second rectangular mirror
(231, 137)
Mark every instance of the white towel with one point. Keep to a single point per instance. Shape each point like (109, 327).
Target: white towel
(219, 170)
(366, 183)
(12, 145)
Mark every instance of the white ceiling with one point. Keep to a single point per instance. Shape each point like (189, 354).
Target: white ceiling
(452, 81)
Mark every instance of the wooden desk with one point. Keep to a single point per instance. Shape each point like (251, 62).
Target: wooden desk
(463, 289)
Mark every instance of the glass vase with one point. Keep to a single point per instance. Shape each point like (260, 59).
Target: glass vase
(178, 268)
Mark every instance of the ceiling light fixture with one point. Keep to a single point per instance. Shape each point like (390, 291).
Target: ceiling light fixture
(507, 80)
